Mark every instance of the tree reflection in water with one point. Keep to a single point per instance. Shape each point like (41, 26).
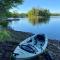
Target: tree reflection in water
(39, 20)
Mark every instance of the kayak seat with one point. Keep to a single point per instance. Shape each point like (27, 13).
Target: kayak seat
(29, 48)
(37, 38)
(40, 38)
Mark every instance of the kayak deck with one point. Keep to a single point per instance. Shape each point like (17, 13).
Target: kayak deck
(31, 47)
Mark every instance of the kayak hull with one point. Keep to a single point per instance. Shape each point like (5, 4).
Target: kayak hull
(31, 47)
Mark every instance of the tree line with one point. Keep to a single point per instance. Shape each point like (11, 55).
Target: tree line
(54, 14)
(5, 5)
(40, 13)
(34, 12)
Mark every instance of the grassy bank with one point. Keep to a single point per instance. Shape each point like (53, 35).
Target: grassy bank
(4, 23)
(4, 35)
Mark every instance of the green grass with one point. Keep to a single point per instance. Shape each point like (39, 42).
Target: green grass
(4, 23)
(4, 35)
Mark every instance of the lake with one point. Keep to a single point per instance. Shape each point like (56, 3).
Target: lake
(50, 27)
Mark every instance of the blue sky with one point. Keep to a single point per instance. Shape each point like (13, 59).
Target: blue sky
(52, 5)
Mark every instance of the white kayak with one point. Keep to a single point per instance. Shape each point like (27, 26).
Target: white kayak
(31, 47)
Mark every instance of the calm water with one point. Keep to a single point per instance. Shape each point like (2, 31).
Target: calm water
(51, 27)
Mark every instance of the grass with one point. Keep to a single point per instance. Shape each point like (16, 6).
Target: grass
(4, 35)
(4, 23)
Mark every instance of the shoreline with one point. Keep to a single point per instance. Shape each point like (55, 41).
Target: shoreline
(29, 34)
(53, 45)
(18, 36)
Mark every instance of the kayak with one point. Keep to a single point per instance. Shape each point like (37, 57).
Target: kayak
(31, 47)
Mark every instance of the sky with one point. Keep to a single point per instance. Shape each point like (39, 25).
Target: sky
(52, 5)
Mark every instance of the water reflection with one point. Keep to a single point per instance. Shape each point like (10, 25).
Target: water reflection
(39, 26)
(37, 20)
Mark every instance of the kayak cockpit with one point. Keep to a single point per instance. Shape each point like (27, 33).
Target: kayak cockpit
(32, 46)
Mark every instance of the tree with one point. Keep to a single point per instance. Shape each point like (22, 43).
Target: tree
(37, 15)
(38, 12)
(23, 15)
(5, 5)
